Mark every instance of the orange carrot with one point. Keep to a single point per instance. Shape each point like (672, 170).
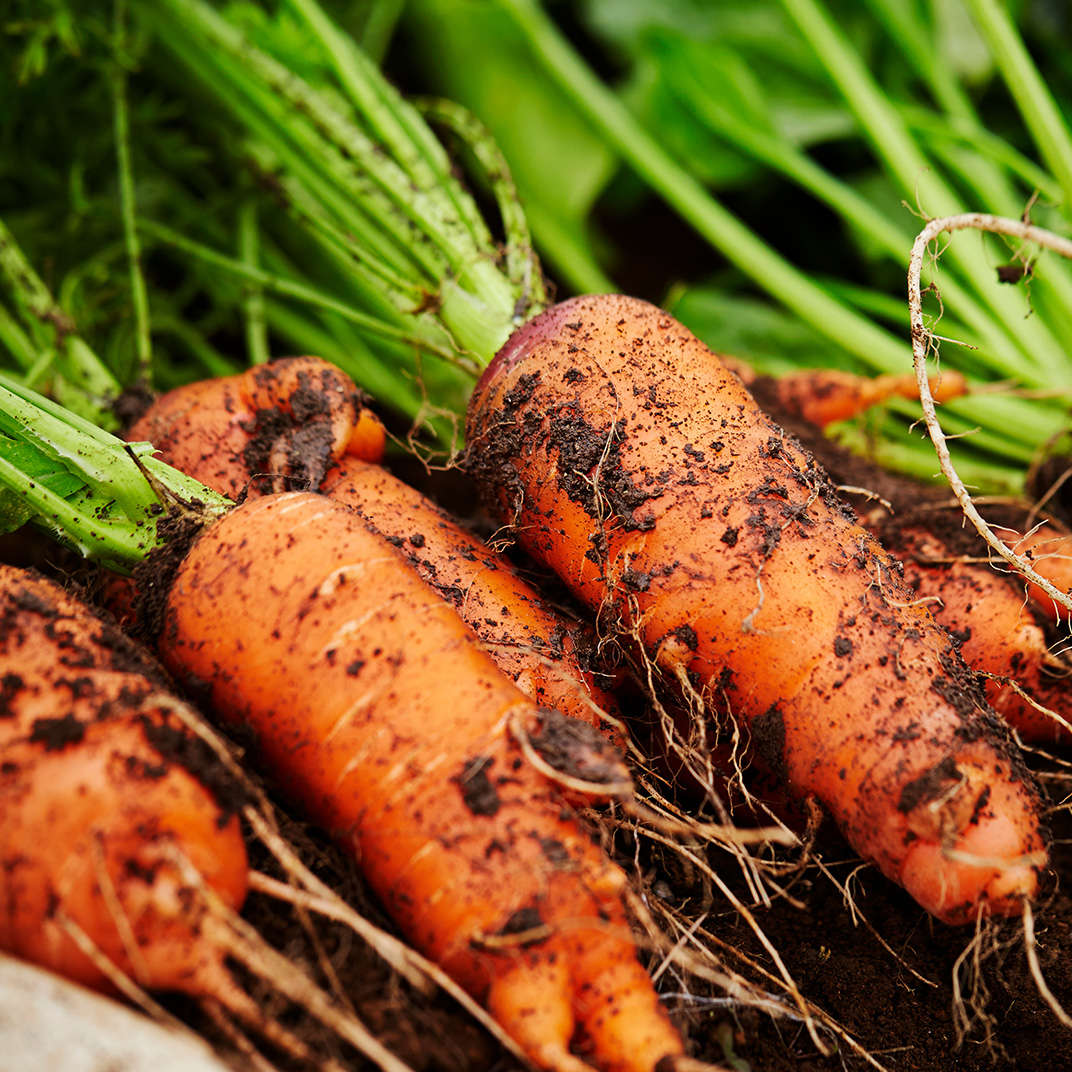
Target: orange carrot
(1048, 546)
(379, 711)
(634, 463)
(822, 396)
(92, 813)
(1000, 632)
(278, 426)
(542, 650)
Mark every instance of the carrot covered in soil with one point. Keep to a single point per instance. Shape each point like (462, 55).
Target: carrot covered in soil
(628, 458)
(378, 710)
(276, 427)
(1005, 627)
(93, 811)
(823, 396)
(1002, 632)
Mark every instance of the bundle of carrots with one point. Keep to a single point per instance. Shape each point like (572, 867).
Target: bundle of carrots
(632, 461)
(335, 655)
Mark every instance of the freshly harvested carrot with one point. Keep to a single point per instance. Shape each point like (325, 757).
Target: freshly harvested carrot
(1000, 633)
(631, 460)
(278, 426)
(378, 710)
(546, 653)
(92, 810)
(823, 396)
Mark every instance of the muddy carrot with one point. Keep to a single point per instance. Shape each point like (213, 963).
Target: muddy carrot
(823, 396)
(378, 710)
(278, 426)
(94, 806)
(544, 651)
(629, 459)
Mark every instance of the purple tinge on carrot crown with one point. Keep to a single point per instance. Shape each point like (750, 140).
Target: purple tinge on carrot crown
(516, 348)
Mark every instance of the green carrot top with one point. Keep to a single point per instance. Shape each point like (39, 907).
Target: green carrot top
(84, 487)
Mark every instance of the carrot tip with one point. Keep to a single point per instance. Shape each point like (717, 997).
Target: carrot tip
(985, 872)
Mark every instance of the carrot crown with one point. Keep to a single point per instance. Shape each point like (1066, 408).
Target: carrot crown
(93, 492)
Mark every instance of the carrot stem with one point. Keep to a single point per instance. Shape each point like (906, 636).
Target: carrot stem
(85, 487)
(253, 304)
(143, 349)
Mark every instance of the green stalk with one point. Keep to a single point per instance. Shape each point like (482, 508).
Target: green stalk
(15, 340)
(877, 348)
(290, 288)
(1036, 103)
(379, 27)
(781, 156)
(1021, 343)
(253, 301)
(143, 351)
(393, 123)
(82, 379)
(917, 47)
(83, 486)
(421, 233)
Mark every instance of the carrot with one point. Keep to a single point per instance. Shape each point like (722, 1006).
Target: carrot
(273, 427)
(1001, 634)
(823, 396)
(1048, 545)
(379, 711)
(544, 652)
(92, 812)
(633, 462)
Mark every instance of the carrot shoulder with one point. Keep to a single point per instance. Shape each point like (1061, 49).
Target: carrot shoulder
(278, 426)
(92, 812)
(632, 461)
(377, 710)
